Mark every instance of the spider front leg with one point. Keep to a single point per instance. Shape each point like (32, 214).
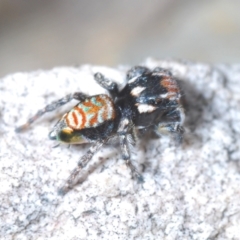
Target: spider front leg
(125, 143)
(136, 72)
(109, 85)
(51, 107)
(174, 129)
(162, 71)
(74, 177)
(173, 126)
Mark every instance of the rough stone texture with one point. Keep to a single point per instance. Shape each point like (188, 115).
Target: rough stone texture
(190, 191)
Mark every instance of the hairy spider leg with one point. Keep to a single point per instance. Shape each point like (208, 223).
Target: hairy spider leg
(135, 72)
(73, 179)
(51, 107)
(123, 134)
(164, 71)
(107, 84)
(174, 128)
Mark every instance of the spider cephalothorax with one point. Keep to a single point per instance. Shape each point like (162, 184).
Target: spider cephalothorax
(150, 101)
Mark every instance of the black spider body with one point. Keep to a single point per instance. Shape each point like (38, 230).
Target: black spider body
(150, 101)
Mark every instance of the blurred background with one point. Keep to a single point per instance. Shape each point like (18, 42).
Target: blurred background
(48, 33)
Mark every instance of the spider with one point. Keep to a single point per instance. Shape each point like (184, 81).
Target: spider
(150, 101)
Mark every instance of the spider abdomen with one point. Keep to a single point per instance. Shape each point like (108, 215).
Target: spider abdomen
(92, 112)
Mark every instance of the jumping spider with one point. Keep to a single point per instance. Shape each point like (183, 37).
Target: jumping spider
(150, 101)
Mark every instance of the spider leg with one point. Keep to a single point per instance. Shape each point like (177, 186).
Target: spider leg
(163, 71)
(173, 124)
(51, 107)
(171, 128)
(109, 85)
(125, 147)
(74, 177)
(136, 72)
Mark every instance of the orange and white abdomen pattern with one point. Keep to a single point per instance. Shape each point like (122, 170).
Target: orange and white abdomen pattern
(91, 113)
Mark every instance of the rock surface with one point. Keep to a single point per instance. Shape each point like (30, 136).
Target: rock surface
(190, 191)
